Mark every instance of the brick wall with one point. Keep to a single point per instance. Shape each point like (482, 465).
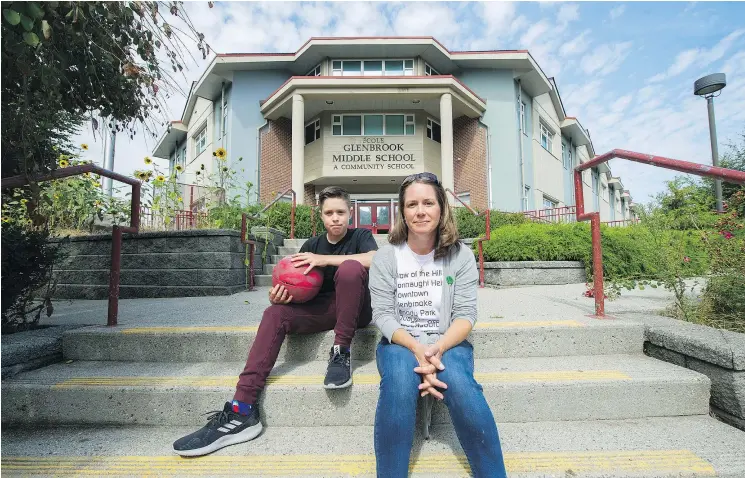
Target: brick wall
(469, 144)
(310, 194)
(275, 164)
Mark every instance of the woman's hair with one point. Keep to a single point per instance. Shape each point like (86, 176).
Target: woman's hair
(446, 235)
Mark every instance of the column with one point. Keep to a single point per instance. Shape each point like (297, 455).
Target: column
(298, 147)
(446, 143)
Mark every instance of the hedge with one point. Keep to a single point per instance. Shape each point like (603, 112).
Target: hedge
(471, 226)
(628, 252)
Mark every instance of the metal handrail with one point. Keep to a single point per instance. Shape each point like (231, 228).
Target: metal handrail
(480, 240)
(252, 244)
(698, 169)
(116, 232)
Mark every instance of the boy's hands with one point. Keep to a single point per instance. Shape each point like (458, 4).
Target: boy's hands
(278, 295)
(308, 258)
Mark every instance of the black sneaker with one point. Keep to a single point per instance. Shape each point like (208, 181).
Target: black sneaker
(225, 428)
(339, 371)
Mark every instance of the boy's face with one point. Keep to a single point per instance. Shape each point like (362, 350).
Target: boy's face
(335, 213)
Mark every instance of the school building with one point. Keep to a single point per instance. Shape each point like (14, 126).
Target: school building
(364, 113)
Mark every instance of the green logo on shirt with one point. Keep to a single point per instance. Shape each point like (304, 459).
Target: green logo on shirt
(449, 280)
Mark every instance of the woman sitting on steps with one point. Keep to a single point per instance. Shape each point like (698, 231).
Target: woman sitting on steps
(423, 292)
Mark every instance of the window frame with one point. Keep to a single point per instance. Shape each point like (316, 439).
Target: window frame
(549, 134)
(551, 201)
(196, 139)
(430, 132)
(409, 120)
(315, 71)
(340, 71)
(317, 130)
(523, 117)
(432, 71)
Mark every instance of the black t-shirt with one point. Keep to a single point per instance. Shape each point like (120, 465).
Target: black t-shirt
(356, 241)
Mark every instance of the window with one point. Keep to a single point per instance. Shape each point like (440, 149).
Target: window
(465, 198)
(605, 192)
(526, 198)
(200, 141)
(312, 131)
(372, 125)
(372, 68)
(225, 115)
(594, 181)
(566, 155)
(523, 119)
(546, 138)
(429, 71)
(549, 203)
(181, 156)
(434, 131)
(315, 71)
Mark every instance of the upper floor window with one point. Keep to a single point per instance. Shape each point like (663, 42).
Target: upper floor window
(429, 71)
(546, 138)
(549, 203)
(566, 155)
(181, 156)
(372, 68)
(372, 125)
(312, 131)
(434, 131)
(200, 141)
(224, 125)
(523, 118)
(315, 71)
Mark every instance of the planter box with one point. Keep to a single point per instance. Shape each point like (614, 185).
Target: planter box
(534, 273)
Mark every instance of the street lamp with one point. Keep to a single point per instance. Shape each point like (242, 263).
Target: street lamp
(709, 87)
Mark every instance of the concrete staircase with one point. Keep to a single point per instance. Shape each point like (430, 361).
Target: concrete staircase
(572, 396)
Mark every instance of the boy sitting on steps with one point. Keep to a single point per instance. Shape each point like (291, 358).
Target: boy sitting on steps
(343, 304)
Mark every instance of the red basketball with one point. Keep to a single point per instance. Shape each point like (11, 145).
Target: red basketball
(302, 287)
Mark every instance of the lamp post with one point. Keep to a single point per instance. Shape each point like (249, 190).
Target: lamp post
(709, 87)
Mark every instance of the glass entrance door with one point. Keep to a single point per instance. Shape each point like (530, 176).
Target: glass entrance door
(374, 216)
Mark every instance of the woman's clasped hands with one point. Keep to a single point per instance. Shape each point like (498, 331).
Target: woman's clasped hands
(430, 362)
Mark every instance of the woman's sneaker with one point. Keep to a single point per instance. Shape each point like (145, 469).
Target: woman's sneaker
(226, 427)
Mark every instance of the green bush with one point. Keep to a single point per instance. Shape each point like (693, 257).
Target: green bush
(278, 217)
(471, 226)
(628, 252)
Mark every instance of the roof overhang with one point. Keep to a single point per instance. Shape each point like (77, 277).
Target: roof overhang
(616, 183)
(571, 128)
(174, 134)
(405, 89)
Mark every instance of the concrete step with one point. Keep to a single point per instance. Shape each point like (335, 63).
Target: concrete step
(286, 251)
(611, 387)
(682, 447)
(269, 269)
(263, 280)
(381, 239)
(491, 339)
(101, 292)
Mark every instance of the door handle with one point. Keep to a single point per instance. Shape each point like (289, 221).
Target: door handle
(375, 224)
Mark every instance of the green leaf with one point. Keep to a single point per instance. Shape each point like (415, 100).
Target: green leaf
(35, 10)
(11, 16)
(46, 29)
(31, 39)
(27, 23)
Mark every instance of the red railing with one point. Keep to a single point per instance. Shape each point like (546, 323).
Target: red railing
(480, 240)
(178, 220)
(252, 244)
(552, 215)
(621, 223)
(698, 169)
(116, 233)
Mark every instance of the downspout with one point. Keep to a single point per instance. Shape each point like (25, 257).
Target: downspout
(523, 204)
(488, 164)
(258, 160)
(222, 114)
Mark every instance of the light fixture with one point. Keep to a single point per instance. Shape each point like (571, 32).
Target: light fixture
(416, 102)
(329, 102)
(709, 87)
(709, 84)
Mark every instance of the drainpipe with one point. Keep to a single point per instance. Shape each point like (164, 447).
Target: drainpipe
(523, 204)
(488, 164)
(258, 160)
(222, 114)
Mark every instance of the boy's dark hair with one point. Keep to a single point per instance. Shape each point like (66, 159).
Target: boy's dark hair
(334, 192)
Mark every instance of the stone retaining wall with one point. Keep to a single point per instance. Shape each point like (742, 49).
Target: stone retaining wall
(534, 273)
(718, 354)
(159, 264)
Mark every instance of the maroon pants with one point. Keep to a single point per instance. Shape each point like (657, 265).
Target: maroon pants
(344, 310)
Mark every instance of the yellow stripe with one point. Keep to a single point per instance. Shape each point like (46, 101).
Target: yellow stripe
(364, 379)
(649, 461)
(479, 325)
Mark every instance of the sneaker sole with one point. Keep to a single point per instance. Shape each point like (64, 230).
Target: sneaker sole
(332, 386)
(246, 435)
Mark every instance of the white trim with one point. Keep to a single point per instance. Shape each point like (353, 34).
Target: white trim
(316, 131)
(542, 127)
(432, 71)
(430, 122)
(195, 137)
(340, 71)
(315, 71)
(340, 123)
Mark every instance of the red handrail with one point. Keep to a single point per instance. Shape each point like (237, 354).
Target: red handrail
(116, 232)
(698, 169)
(480, 240)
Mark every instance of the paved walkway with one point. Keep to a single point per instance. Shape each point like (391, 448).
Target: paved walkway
(246, 308)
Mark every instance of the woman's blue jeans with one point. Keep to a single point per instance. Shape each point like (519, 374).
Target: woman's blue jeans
(395, 416)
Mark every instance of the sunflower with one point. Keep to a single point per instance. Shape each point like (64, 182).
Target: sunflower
(201, 167)
(87, 174)
(224, 169)
(148, 160)
(179, 168)
(84, 146)
(221, 154)
(161, 178)
(6, 219)
(180, 199)
(198, 173)
(63, 163)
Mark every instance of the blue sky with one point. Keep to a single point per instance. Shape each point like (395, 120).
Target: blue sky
(624, 69)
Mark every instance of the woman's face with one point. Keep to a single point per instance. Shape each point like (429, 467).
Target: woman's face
(421, 209)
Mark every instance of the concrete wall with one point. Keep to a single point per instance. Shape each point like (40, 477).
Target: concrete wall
(245, 119)
(497, 87)
(534, 273)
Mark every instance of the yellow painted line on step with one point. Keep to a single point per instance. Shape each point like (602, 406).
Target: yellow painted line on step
(361, 379)
(479, 325)
(530, 323)
(648, 461)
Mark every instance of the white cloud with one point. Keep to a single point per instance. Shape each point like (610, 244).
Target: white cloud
(617, 11)
(606, 58)
(576, 45)
(419, 18)
(497, 17)
(534, 33)
(568, 12)
(621, 103)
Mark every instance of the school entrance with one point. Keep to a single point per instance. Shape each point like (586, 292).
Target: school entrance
(378, 216)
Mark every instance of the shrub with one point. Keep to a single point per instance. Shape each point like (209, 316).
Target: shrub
(628, 252)
(471, 226)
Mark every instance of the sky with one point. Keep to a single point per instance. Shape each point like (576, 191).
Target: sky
(624, 69)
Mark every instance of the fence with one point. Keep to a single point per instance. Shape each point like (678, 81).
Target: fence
(172, 221)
